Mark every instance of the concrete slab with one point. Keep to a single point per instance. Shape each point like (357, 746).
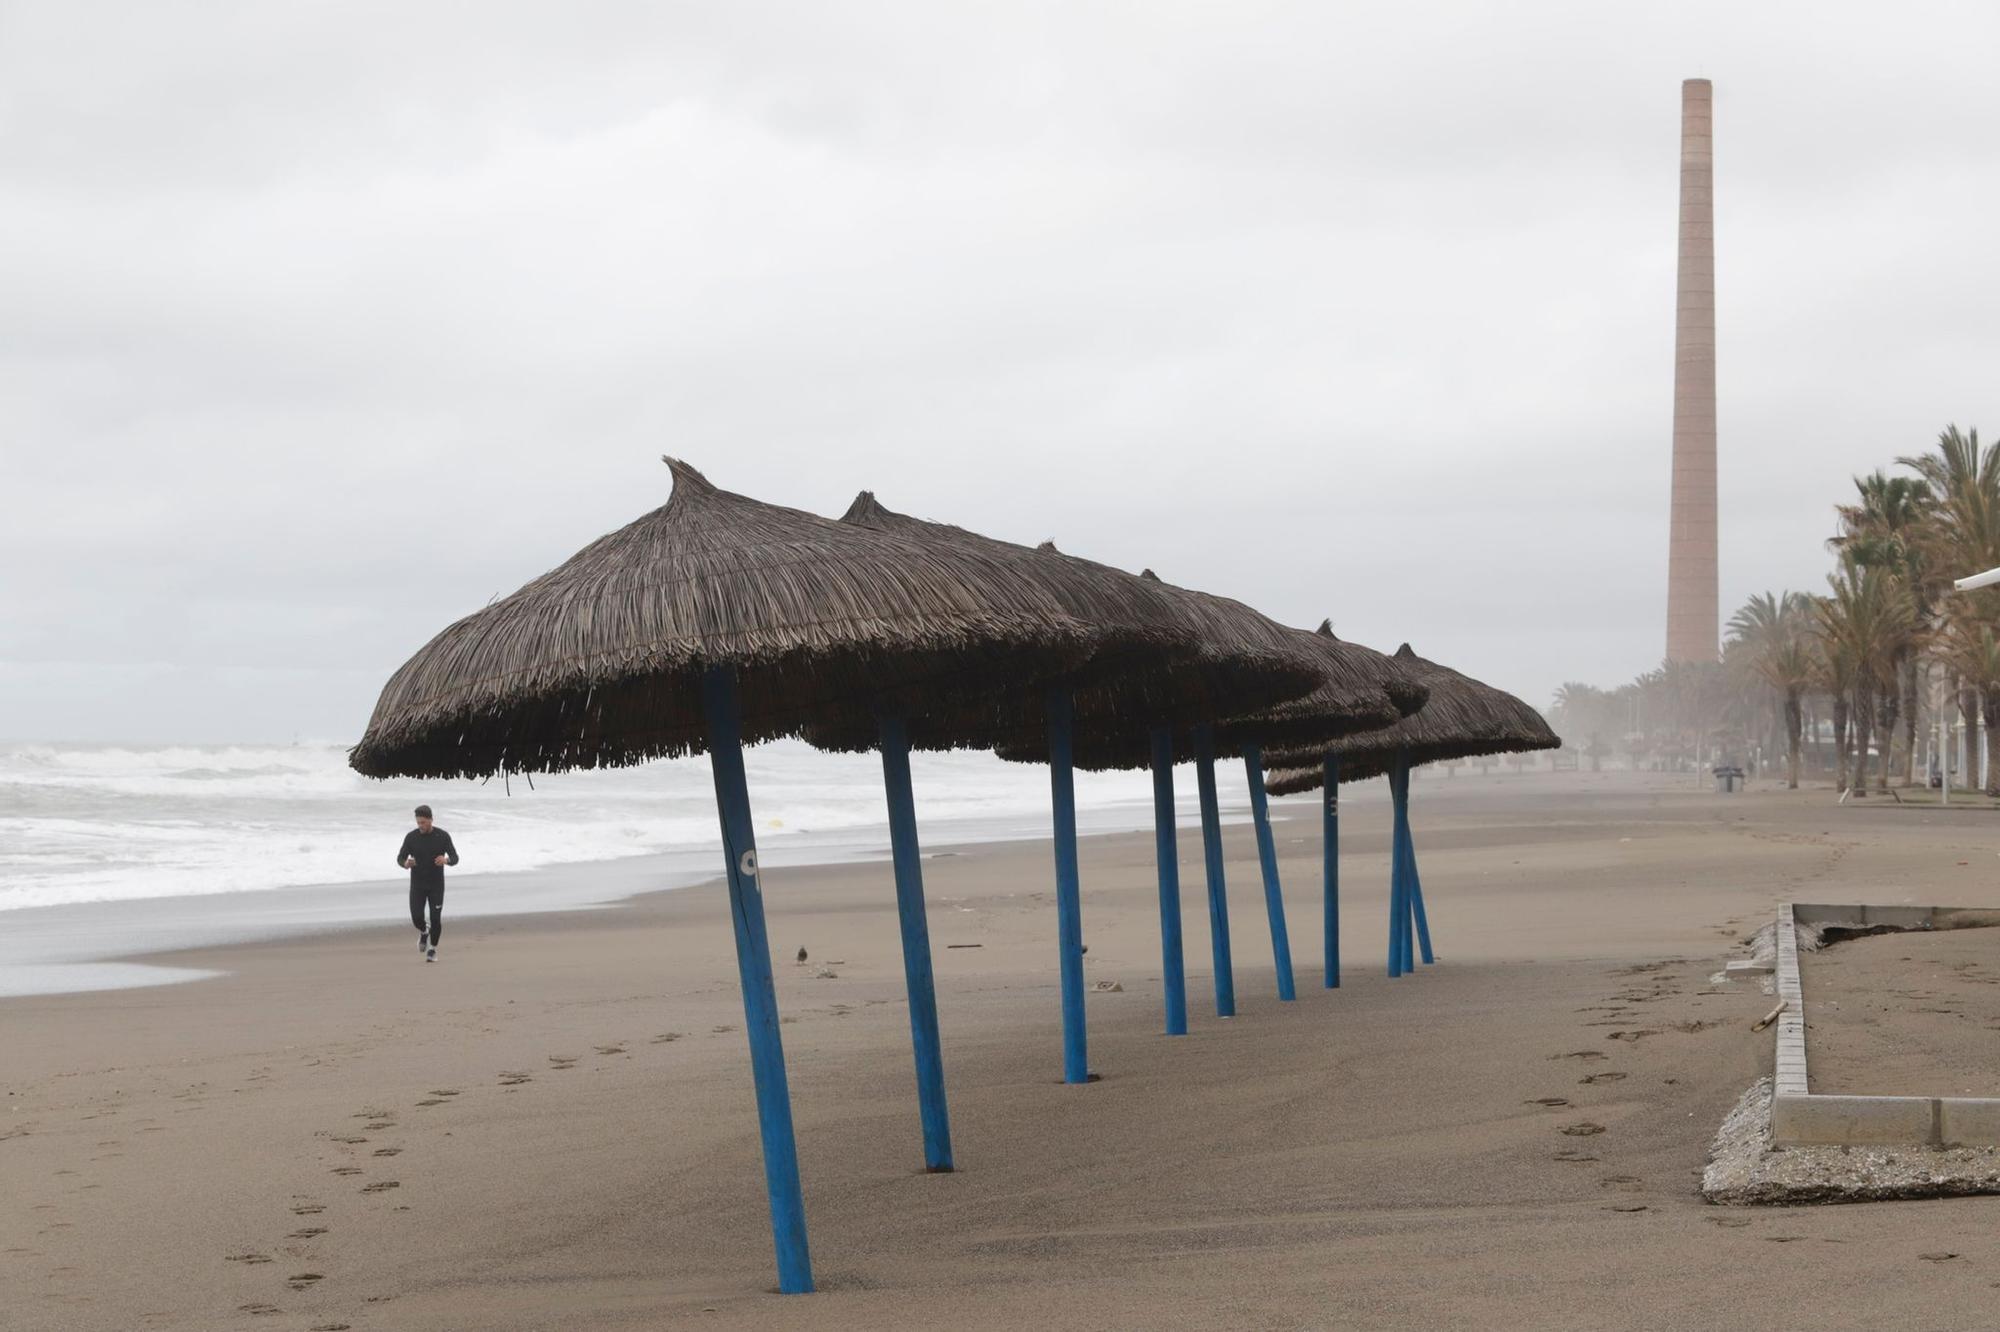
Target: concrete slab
(1969, 1121)
(1853, 1120)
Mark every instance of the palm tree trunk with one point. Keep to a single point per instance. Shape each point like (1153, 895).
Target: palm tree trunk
(1886, 700)
(1863, 722)
(1840, 727)
(1792, 735)
(1968, 706)
(1989, 701)
(1911, 697)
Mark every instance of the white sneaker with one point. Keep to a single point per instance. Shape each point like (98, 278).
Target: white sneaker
(423, 939)
(431, 955)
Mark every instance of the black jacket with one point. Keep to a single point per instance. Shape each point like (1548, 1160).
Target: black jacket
(427, 847)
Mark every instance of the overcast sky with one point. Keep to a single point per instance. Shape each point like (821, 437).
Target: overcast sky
(322, 324)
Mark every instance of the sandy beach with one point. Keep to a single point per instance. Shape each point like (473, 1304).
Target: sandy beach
(553, 1128)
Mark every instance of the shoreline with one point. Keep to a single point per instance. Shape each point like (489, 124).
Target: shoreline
(120, 944)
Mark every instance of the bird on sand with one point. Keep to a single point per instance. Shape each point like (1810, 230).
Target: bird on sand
(802, 957)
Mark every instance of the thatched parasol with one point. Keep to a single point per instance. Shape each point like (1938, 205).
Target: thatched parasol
(1158, 655)
(600, 661)
(712, 620)
(1463, 718)
(1160, 661)
(1358, 690)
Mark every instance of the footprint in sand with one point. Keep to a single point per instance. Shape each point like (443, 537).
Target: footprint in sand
(350, 1139)
(251, 1258)
(609, 1049)
(1591, 1079)
(1550, 1101)
(434, 1100)
(665, 1037)
(387, 1151)
(564, 1061)
(383, 1124)
(1729, 1222)
(1627, 1207)
(331, 1327)
(1582, 1129)
(347, 1170)
(303, 1280)
(514, 1077)
(307, 1232)
(308, 1209)
(1639, 1035)
(256, 1307)
(1783, 1239)
(380, 1185)
(1625, 1182)
(726, 1027)
(443, 1091)
(1572, 1155)
(1582, 1054)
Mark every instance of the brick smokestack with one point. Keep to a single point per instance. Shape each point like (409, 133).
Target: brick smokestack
(1693, 615)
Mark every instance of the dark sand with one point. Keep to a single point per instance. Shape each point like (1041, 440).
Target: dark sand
(1905, 1014)
(553, 1128)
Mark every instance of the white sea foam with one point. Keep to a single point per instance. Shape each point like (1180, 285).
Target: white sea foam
(90, 823)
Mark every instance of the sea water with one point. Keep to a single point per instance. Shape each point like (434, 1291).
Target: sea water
(109, 850)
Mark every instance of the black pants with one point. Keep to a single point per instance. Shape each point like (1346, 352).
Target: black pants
(432, 893)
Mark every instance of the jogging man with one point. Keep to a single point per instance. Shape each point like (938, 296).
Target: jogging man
(427, 849)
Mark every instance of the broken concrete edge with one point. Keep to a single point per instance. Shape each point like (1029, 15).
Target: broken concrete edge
(1799, 1118)
(1746, 1170)
(1821, 914)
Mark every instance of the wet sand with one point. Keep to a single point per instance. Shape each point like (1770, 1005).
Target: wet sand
(553, 1128)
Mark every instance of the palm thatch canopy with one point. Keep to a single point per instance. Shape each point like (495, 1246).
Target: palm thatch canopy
(1157, 658)
(600, 661)
(1463, 718)
(1357, 678)
(1349, 693)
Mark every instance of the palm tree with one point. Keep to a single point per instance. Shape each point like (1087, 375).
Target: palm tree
(1869, 620)
(1973, 655)
(1890, 529)
(1772, 635)
(1962, 533)
(1834, 672)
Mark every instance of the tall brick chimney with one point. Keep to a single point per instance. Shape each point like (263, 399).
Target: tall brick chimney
(1693, 615)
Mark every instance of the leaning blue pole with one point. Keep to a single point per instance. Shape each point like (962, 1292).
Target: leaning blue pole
(1267, 860)
(917, 978)
(1330, 869)
(1166, 850)
(1416, 886)
(1398, 909)
(1406, 868)
(1211, 852)
(1069, 906)
(753, 969)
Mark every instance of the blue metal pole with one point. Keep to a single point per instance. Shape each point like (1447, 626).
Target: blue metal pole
(1166, 850)
(917, 978)
(1267, 860)
(1409, 871)
(753, 969)
(1218, 893)
(1397, 911)
(1069, 907)
(1416, 888)
(1330, 852)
